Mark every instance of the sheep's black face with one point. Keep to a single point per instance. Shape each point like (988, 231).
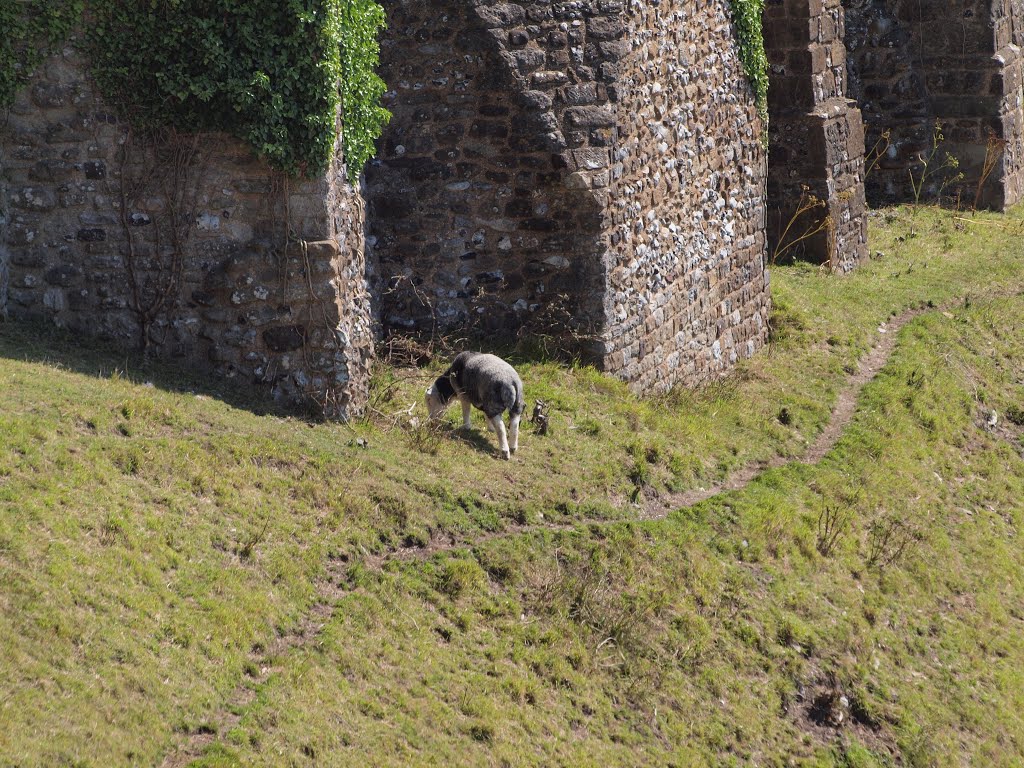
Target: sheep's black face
(434, 405)
(439, 395)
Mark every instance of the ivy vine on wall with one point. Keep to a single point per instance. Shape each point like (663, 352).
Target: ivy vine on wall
(31, 29)
(747, 21)
(271, 72)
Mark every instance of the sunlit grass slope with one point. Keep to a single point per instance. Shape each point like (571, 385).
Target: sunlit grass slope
(157, 534)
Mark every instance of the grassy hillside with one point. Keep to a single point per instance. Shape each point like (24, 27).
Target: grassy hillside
(189, 577)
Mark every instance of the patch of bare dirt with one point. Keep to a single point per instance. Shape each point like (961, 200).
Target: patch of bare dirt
(827, 713)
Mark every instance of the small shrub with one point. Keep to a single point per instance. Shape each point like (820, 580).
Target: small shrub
(775, 528)
(129, 462)
(640, 477)
(795, 634)
(255, 537)
(425, 436)
(1015, 415)
(890, 541)
(932, 177)
(833, 525)
(598, 590)
(114, 529)
(481, 732)
(809, 219)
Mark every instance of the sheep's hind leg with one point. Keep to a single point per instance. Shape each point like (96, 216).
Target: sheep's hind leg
(466, 407)
(499, 428)
(513, 426)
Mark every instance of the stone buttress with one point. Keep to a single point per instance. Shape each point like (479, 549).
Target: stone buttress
(589, 168)
(177, 245)
(927, 68)
(816, 138)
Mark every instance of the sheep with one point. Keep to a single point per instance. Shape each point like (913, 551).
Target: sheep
(487, 382)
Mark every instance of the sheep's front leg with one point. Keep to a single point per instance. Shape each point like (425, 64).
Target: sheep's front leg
(499, 428)
(465, 413)
(513, 428)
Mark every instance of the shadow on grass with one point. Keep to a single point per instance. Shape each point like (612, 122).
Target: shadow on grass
(480, 438)
(40, 342)
(45, 344)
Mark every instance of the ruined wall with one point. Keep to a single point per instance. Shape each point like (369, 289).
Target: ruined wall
(952, 62)
(472, 217)
(686, 213)
(594, 165)
(816, 137)
(175, 246)
(1008, 26)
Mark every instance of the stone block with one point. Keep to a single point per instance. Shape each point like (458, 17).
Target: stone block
(95, 169)
(502, 15)
(589, 117)
(52, 95)
(64, 275)
(52, 170)
(35, 199)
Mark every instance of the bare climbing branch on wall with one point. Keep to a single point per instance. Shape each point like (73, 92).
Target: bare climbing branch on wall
(877, 152)
(395, 284)
(169, 167)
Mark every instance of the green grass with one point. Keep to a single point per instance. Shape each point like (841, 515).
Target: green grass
(155, 545)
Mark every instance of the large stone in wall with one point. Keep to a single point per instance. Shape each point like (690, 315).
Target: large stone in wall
(936, 78)
(590, 173)
(180, 244)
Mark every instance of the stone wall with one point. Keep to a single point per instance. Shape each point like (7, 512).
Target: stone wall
(685, 213)
(816, 137)
(917, 64)
(591, 166)
(4, 253)
(174, 244)
(1008, 26)
(474, 219)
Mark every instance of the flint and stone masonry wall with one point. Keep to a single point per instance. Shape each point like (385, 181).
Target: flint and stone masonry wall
(171, 246)
(592, 170)
(593, 165)
(816, 136)
(474, 219)
(956, 63)
(685, 217)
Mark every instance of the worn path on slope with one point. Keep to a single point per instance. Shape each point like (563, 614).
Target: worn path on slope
(329, 593)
